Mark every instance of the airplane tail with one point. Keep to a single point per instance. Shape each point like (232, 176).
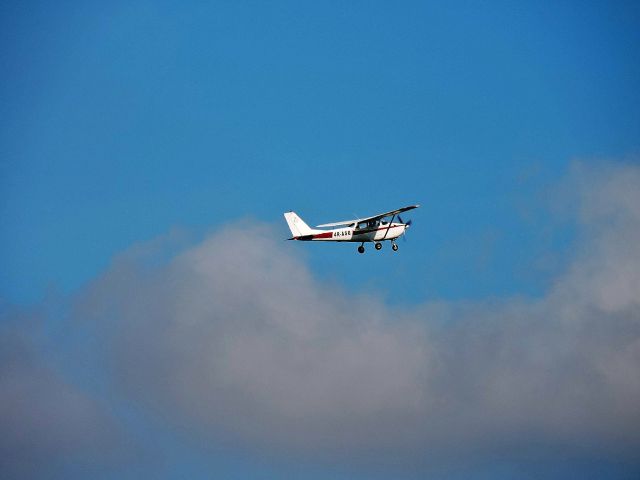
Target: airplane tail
(297, 226)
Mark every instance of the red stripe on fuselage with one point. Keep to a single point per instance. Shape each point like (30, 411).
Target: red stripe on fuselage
(323, 235)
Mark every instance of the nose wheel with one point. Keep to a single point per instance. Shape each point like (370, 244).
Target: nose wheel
(378, 246)
(394, 246)
(361, 248)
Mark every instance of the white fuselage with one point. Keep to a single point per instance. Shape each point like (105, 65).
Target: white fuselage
(374, 232)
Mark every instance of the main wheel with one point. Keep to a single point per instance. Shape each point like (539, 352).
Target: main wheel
(395, 247)
(378, 246)
(360, 249)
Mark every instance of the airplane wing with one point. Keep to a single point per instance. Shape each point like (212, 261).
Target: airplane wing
(366, 219)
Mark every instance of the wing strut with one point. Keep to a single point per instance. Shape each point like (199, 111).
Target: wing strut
(390, 222)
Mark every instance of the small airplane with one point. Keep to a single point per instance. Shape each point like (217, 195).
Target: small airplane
(370, 229)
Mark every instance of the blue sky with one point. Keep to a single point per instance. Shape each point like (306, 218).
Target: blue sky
(123, 121)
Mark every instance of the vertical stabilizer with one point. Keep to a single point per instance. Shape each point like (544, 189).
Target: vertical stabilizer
(297, 226)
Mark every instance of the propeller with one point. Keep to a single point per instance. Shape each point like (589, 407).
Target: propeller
(408, 224)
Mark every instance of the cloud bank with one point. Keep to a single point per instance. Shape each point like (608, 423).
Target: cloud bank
(234, 338)
(235, 341)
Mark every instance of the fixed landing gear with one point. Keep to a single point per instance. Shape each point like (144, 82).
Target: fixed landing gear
(378, 246)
